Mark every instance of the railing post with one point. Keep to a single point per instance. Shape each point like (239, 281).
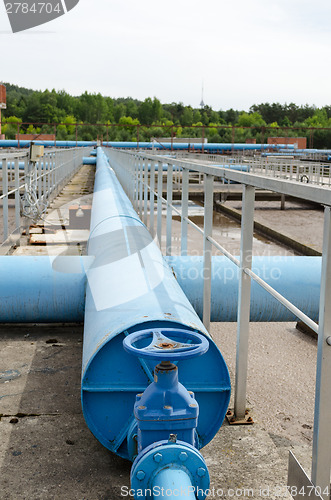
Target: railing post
(17, 194)
(39, 173)
(184, 224)
(136, 173)
(159, 201)
(5, 198)
(146, 192)
(44, 179)
(244, 300)
(321, 462)
(152, 199)
(50, 166)
(207, 247)
(169, 208)
(141, 173)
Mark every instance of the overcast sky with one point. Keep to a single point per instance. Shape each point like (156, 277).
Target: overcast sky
(245, 51)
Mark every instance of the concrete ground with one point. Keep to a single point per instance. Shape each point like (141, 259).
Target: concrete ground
(300, 221)
(47, 451)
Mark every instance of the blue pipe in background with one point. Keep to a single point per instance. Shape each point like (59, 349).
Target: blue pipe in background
(13, 143)
(11, 165)
(21, 165)
(42, 289)
(208, 147)
(48, 289)
(131, 288)
(296, 278)
(89, 161)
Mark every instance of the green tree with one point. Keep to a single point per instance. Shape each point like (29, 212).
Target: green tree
(187, 116)
(250, 120)
(119, 111)
(10, 126)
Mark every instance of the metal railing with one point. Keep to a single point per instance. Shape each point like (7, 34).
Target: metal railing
(32, 186)
(286, 167)
(142, 177)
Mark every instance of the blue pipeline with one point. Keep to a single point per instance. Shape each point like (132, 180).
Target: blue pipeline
(47, 289)
(240, 168)
(208, 147)
(288, 153)
(11, 165)
(21, 165)
(89, 161)
(296, 278)
(42, 289)
(8, 143)
(131, 288)
(197, 147)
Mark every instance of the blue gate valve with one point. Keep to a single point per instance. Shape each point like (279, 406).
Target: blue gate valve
(167, 413)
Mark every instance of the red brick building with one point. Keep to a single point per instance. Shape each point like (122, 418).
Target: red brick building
(300, 142)
(35, 137)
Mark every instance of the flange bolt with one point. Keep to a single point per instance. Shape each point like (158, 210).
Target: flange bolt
(157, 457)
(201, 472)
(140, 475)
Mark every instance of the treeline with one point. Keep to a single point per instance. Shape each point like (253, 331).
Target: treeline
(129, 119)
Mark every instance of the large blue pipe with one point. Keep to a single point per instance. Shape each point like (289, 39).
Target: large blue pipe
(42, 289)
(47, 289)
(296, 278)
(131, 288)
(89, 160)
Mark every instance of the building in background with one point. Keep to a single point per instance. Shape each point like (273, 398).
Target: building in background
(35, 137)
(299, 142)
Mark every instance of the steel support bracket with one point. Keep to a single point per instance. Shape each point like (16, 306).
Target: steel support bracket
(299, 484)
(233, 420)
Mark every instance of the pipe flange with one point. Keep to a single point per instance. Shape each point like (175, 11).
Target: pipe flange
(165, 455)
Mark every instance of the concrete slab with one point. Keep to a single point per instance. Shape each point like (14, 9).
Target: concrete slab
(299, 220)
(69, 236)
(48, 250)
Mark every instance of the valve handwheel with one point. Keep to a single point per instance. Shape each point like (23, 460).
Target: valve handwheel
(168, 344)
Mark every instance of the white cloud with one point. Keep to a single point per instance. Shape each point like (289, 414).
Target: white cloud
(246, 52)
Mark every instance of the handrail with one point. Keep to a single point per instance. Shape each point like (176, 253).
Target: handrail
(132, 170)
